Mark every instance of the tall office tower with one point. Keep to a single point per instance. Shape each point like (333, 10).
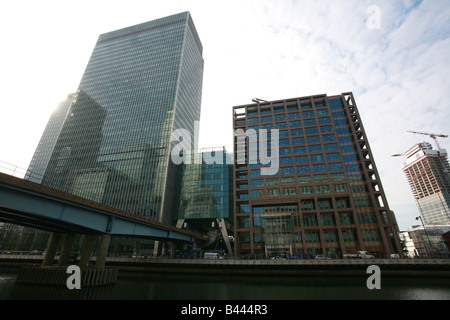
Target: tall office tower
(325, 198)
(428, 171)
(141, 83)
(47, 143)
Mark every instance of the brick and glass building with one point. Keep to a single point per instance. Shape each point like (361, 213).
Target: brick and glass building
(326, 196)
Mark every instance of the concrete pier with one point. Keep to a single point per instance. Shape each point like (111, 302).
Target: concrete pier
(57, 276)
(48, 274)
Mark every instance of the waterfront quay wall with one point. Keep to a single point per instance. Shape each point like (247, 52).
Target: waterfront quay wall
(307, 267)
(332, 267)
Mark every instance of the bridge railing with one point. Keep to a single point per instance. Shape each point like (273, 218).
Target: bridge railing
(39, 178)
(12, 170)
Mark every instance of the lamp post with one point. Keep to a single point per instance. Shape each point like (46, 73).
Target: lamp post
(417, 218)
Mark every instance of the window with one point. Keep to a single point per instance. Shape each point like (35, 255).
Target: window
(329, 147)
(289, 180)
(352, 157)
(324, 120)
(253, 121)
(286, 170)
(301, 159)
(329, 137)
(335, 166)
(346, 218)
(325, 204)
(244, 222)
(342, 203)
(335, 103)
(349, 235)
(299, 149)
(323, 189)
(308, 114)
(292, 106)
(298, 140)
(316, 158)
(337, 177)
(289, 191)
(285, 151)
(302, 169)
(310, 220)
(242, 195)
(326, 129)
(257, 193)
(315, 148)
(273, 192)
(311, 130)
(371, 235)
(345, 139)
(272, 182)
(367, 217)
(295, 124)
(297, 132)
(352, 167)
(285, 160)
(330, 236)
(307, 204)
(266, 119)
(309, 122)
(306, 190)
(362, 202)
(340, 188)
(244, 208)
(321, 178)
(318, 168)
(333, 156)
(294, 115)
(304, 179)
(256, 183)
(255, 173)
(312, 236)
(313, 139)
(278, 108)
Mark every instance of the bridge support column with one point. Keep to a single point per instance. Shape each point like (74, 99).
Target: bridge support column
(102, 251)
(86, 250)
(66, 249)
(52, 246)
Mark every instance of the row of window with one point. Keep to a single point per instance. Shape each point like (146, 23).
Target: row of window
(334, 103)
(314, 236)
(293, 191)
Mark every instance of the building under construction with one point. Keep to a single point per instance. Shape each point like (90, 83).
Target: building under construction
(427, 171)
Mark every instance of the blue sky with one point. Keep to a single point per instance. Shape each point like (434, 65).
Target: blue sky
(398, 69)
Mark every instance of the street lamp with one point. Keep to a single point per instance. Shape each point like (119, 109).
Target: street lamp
(417, 218)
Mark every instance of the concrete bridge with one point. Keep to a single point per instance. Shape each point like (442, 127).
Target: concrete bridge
(27, 203)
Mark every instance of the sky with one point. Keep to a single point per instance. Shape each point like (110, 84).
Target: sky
(392, 54)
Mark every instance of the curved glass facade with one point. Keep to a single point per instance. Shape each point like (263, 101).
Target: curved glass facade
(206, 188)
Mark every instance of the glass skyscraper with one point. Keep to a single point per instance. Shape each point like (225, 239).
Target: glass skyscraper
(47, 143)
(324, 196)
(141, 83)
